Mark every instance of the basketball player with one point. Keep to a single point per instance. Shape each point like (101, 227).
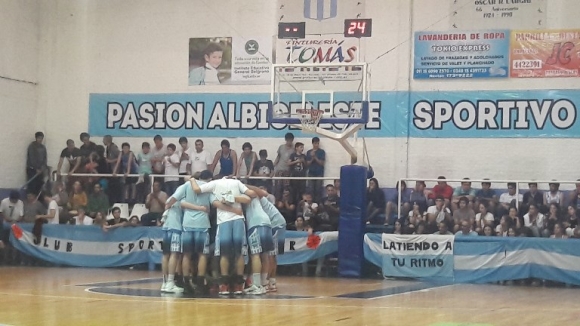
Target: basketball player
(195, 236)
(278, 235)
(231, 231)
(172, 246)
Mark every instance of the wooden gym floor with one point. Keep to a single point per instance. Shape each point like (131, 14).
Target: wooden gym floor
(78, 296)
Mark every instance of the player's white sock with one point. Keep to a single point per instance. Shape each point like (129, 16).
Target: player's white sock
(256, 279)
(272, 280)
(170, 277)
(264, 279)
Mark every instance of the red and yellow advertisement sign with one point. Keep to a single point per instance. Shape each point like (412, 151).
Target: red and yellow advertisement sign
(542, 54)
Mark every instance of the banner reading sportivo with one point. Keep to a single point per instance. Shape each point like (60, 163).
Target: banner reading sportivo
(419, 256)
(470, 114)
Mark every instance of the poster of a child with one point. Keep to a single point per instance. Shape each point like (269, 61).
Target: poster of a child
(210, 60)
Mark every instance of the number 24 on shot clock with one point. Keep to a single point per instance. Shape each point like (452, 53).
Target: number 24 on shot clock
(358, 28)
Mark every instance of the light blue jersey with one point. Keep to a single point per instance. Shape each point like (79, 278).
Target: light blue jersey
(194, 218)
(174, 219)
(276, 218)
(255, 215)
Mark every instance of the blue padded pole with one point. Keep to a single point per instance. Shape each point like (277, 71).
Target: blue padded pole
(353, 184)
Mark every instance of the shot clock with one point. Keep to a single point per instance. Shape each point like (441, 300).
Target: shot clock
(358, 28)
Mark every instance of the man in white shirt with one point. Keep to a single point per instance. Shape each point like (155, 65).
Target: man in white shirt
(157, 155)
(200, 158)
(507, 199)
(11, 211)
(230, 239)
(536, 221)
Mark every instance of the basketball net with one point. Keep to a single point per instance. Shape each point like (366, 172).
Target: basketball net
(309, 119)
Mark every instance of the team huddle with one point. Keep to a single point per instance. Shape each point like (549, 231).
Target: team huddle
(247, 223)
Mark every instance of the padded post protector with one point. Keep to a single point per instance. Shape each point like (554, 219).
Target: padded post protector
(353, 198)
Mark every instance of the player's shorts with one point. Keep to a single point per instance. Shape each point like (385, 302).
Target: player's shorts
(230, 239)
(260, 240)
(196, 240)
(172, 241)
(279, 238)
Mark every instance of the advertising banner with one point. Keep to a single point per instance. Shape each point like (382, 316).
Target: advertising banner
(461, 54)
(542, 54)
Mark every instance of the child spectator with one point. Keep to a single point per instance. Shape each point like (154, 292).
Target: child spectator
(297, 164)
(264, 168)
(315, 159)
(171, 164)
(247, 160)
(126, 160)
(144, 159)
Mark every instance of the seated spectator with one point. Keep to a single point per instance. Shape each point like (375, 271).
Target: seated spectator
(463, 213)
(466, 230)
(416, 216)
(504, 224)
(554, 195)
(534, 220)
(32, 208)
(486, 194)
(77, 198)
(438, 212)
(571, 220)
(524, 232)
(405, 200)
(117, 221)
(553, 218)
(52, 215)
(464, 190)
(398, 227)
(300, 225)
(515, 218)
(11, 210)
(488, 231)
(420, 228)
(287, 206)
(329, 208)
(576, 233)
(100, 218)
(97, 201)
(418, 196)
(483, 218)
(155, 203)
(81, 218)
(264, 168)
(575, 196)
(512, 232)
(59, 194)
(443, 229)
(559, 232)
(375, 202)
(308, 209)
(134, 221)
(531, 196)
(508, 199)
(443, 190)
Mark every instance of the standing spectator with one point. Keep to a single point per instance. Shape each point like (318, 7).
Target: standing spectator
(297, 164)
(36, 163)
(486, 194)
(554, 196)
(88, 147)
(508, 199)
(264, 168)
(531, 196)
(247, 160)
(287, 206)
(155, 203)
(329, 208)
(97, 201)
(128, 164)
(466, 230)
(53, 213)
(418, 196)
(442, 189)
(281, 168)
(201, 159)
(171, 167)
(405, 201)
(315, 159)
(72, 155)
(144, 160)
(375, 202)
(534, 220)
(464, 190)
(32, 208)
(114, 189)
(158, 155)
(184, 154)
(227, 159)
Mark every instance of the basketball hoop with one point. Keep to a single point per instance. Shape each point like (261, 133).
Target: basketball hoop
(309, 119)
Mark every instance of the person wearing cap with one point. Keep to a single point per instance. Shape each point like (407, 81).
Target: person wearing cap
(36, 159)
(315, 159)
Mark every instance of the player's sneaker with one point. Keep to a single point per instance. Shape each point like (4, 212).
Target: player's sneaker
(224, 289)
(164, 287)
(255, 290)
(239, 288)
(272, 288)
(172, 288)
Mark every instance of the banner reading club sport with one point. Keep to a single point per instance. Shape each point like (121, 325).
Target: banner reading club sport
(418, 256)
